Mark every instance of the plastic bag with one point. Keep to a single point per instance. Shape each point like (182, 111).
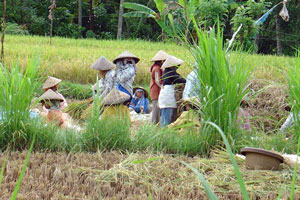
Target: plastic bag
(284, 13)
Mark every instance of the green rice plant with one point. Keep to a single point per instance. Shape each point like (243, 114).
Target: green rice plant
(294, 95)
(75, 90)
(17, 91)
(105, 134)
(19, 181)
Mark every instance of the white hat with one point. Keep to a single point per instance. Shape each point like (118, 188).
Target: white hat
(160, 56)
(172, 61)
(50, 82)
(126, 54)
(102, 64)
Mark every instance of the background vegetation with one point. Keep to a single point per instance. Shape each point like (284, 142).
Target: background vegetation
(100, 19)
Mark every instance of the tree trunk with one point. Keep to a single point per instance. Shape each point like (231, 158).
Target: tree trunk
(3, 31)
(120, 21)
(279, 48)
(80, 12)
(91, 17)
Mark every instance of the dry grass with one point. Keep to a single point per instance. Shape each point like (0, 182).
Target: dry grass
(268, 101)
(113, 175)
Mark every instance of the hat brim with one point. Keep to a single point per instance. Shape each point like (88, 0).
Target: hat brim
(145, 92)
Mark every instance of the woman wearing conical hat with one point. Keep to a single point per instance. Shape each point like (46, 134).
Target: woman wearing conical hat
(139, 103)
(156, 84)
(52, 101)
(107, 74)
(166, 99)
(125, 72)
(114, 106)
(53, 83)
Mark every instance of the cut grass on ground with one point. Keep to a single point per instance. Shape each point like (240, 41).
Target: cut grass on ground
(113, 175)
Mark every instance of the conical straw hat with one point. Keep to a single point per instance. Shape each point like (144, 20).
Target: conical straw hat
(172, 61)
(145, 92)
(160, 56)
(126, 54)
(50, 95)
(50, 82)
(102, 64)
(115, 97)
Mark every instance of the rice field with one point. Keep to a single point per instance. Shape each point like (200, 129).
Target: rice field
(144, 162)
(70, 59)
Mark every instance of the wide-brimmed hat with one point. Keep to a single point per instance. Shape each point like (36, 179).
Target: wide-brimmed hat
(126, 54)
(160, 56)
(141, 88)
(115, 97)
(172, 61)
(102, 64)
(50, 82)
(50, 95)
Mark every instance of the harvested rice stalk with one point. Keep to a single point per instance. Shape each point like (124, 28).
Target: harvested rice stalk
(76, 110)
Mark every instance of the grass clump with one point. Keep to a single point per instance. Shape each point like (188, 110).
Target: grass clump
(17, 90)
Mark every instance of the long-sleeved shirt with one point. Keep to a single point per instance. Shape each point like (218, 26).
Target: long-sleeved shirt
(171, 77)
(191, 87)
(138, 103)
(125, 76)
(107, 83)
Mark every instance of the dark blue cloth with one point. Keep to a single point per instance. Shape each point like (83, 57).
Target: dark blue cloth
(138, 103)
(166, 116)
(121, 88)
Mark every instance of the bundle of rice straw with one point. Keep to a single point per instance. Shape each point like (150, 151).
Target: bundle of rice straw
(77, 109)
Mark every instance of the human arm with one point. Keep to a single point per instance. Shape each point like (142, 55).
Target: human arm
(288, 122)
(157, 80)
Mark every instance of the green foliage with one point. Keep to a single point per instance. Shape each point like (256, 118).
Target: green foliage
(18, 89)
(90, 34)
(246, 15)
(75, 90)
(15, 29)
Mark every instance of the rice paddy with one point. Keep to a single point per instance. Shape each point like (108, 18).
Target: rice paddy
(144, 162)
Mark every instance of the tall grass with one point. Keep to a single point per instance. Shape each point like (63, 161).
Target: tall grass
(222, 82)
(17, 91)
(294, 95)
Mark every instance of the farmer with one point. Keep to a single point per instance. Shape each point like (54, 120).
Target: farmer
(52, 101)
(125, 72)
(53, 83)
(107, 81)
(156, 84)
(114, 105)
(166, 99)
(139, 102)
(192, 85)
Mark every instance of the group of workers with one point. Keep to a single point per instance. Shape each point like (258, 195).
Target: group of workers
(115, 88)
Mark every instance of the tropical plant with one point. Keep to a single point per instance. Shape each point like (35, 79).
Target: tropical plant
(17, 91)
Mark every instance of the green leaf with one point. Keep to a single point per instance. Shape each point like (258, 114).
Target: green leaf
(207, 189)
(139, 7)
(138, 14)
(16, 190)
(2, 169)
(165, 27)
(160, 5)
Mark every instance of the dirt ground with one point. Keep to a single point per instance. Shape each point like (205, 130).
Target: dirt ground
(115, 175)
